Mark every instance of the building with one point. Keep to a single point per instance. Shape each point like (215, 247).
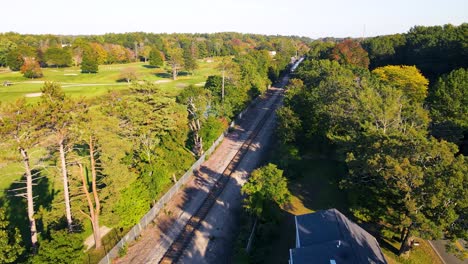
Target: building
(329, 237)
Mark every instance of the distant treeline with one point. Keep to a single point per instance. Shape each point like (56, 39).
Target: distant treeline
(56, 50)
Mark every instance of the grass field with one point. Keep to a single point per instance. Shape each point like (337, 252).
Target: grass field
(89, 85)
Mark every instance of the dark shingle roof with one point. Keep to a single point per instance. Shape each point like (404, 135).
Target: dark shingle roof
(327, 235)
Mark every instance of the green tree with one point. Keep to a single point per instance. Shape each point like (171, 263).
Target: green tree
(61, 247)
(265, 187)
(190, 60)
(156, 58)
(10, 240)
(89, 63)
(14, 60)
(128, 74)
(197, 100)
(19, 129)
(5, 47)
(230, 71)
(175, 60)
(58, 57)
(288, 125)
(448, 101)
(59, 115)
(145, 52)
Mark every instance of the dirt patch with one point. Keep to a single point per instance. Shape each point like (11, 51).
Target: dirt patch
(162, 81)
(89, 242)
(32, 95)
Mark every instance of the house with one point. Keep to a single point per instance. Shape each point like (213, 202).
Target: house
(329, 237)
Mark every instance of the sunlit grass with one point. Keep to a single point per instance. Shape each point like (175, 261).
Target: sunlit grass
(77, 84)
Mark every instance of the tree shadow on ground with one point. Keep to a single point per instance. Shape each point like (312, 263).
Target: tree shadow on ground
(15, 204)
(163, 74)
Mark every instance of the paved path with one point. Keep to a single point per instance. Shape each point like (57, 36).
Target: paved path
(167, 225)
(447, 258)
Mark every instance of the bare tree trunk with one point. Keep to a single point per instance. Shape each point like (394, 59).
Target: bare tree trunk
(222, 89)
(174, 73)
(66, 192)
(91, 215)
(95, 194)
(406, 242)
(94, 208)
(29, 198)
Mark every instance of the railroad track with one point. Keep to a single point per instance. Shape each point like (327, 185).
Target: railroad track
(177, 247)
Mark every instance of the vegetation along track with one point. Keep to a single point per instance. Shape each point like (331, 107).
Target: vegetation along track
(176, 249)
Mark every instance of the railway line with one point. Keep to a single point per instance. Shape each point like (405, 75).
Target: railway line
(180, 244)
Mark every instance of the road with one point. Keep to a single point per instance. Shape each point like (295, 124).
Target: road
(221, 220)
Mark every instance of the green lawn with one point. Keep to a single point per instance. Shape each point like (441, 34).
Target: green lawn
(91, 85)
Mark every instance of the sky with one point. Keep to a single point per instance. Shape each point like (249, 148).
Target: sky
(310, 18)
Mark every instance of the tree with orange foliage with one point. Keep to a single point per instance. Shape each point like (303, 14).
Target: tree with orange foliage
(31, 68)
(350, 52)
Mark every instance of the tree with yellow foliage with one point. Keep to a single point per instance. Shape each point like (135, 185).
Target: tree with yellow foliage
(408, 79)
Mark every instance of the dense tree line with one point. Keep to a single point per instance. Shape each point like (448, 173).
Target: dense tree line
(181, 51)
(399, 176)
(435, 50)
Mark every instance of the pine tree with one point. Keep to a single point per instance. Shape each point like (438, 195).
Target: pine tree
(155, 58)
(89, 63)
(19, 128)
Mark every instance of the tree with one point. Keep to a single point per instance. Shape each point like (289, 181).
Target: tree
(408, 79)
(197, 100)
(156, 58)
(58, 57)
(145, 52)
(59, 115)
(18, 126)
(266, 186)
(77, 56)
(10, 240)
(448, 101)
(128, 74)
(288, 126)
(89, 63)
(5, 47)
(61, 247)
(415, 186)
(14, 60)
(99, 51)
(175, 60)
(350, 52)
(31, 68)
(228, 69)
(190, 60)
